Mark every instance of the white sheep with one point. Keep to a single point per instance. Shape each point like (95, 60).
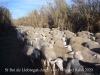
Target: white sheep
(94, 46)
(20, 38)
(83, 34)
(31, 53)
(98, 40)
(88, 56)
(77, 67)
(62, 51)
(78, 47)
(97, 35)
(50, 56)
(74, 66)
(78, 40)
(46, 49)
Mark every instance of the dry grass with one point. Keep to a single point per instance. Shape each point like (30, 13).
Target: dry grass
(82, 15)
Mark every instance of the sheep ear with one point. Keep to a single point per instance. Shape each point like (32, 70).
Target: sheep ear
(55, 60)
(66, 46)
(35, 39)
(95, 55)
(96, 43)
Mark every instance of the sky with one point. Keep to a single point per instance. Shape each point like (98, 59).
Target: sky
(20, 8)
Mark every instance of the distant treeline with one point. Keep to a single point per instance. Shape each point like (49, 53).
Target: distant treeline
(81, 15)
(5, 18)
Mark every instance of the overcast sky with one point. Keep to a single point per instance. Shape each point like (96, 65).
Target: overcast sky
(19, 8)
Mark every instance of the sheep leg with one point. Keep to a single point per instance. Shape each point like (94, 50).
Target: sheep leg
(44, 62)
(68, 69)
(39, 56)
(32, 61)
(53, 69)
(48, 64)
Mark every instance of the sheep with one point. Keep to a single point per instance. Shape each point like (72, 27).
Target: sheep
(57, 43)
(88, 56)
(97, 35)
(47, 39)
(92, 45)
(47, 29)
(66, 56)
(98, 40)
(49, 55)
(62, 51)
(47, 34)
(78, 40)
(20, 38)
(28, 41)
(73, 66)
(59, 63)
(92, 38)
(68, 34)
(36, 44)
(78, 55)
(83, 35)
(60, 43)
(31, 53)
(46, 52)
(33, 42)
(78, 47)
(57, 37)
(77, 67)
(86, 34)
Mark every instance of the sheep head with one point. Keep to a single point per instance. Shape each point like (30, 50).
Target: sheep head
(59, 63)
(69, 47)
(78, 55)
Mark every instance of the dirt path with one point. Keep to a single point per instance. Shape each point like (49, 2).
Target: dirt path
(12, 60)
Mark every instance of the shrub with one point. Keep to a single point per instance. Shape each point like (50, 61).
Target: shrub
(82, 15)
(5, 18)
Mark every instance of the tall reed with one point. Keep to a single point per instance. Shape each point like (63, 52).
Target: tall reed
(82, 15)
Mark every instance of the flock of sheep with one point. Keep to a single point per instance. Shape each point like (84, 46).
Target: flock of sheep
(63, 49)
